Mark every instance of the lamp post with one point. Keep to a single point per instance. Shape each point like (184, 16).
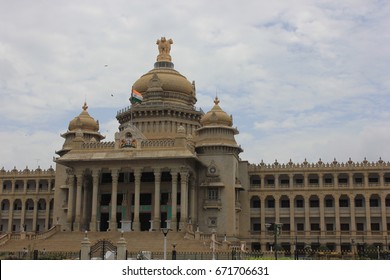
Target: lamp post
(165, 232)
(276, 229)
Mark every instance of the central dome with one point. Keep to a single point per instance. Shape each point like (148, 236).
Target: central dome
(163, 83)
(171, 80)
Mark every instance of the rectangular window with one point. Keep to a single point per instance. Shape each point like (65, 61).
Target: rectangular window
(256, 227)
(286, 227)
(315, 203)
(256, 182)
(343, 180)
(313, 181)
(358, 180)
(328, 180)
(106, 178)
(299, 203)
(285, 203)
(329, 227)
(374, 202)
(387, 202)
(271, 182)
(329, 203)
(373, 180)
(359, 226)
(270, 203)
(344, 227)
(300, 227)
(358, 202)
(375, 227)
(315, 227)
(299, 181)
(212, 194)
(284, 181)
(343, 202)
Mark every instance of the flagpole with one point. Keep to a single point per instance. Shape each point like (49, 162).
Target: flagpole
(131, 107)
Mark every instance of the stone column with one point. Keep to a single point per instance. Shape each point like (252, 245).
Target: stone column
(337, 222)
(35, 215)
(36, 186)
(79, 181)
(352, 215)
(307, 215)
(157, 214)
(291, 181)
(121, 248)
(85, 248)
(292, 217)
(381, 179)
(69, 218)
(321, 180)
(306, 180)
(335, 180)
(368, 214)
(183, 199)
(262, 181)
(84, 204)
(276, 176)
(95, 186)
(25, 182)
(263, 229)
(174, 200)
(47, 215)
(193, 213)
(114, 194)
(365, 175)
(277, 209)
(13, 182)
(10, 215)
(322, 215)
(23, 215)
(350, 180)
(137, 182)
(383, 215)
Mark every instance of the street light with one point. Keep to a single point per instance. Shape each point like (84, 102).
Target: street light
(165, 232)
(276, 229)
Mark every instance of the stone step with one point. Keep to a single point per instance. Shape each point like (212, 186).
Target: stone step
(136, 242)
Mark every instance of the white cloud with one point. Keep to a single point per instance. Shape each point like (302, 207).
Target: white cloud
(312, 74)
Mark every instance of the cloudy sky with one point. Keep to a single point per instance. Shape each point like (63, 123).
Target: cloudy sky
(302, 79)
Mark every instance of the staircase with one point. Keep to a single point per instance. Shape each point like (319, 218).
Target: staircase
(136, 242)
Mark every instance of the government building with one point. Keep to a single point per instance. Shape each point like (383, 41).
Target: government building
(174, 166)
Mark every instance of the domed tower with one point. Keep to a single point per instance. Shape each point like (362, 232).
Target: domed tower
(217, 134)
(168, 100)
(219, 152)
(82, 129)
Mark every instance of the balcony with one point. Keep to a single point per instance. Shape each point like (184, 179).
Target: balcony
(212, 204)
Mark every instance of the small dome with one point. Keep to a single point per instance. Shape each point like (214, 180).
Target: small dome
(216, 116)
(84, 121)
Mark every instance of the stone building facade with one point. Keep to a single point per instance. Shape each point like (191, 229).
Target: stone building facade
(172, 165)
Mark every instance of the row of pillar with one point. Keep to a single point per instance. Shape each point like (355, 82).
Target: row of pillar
(77, 186)
(321, 182)
(11, 212)
(337, 215)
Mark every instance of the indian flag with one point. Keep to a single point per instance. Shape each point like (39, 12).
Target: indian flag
(136, 97)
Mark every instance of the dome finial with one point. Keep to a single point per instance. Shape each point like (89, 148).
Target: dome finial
(85, 106)
(216, 100)
(164, 49)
